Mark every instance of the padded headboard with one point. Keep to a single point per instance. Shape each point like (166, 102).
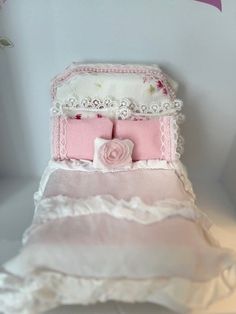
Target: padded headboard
(139, 88)
(115, 91)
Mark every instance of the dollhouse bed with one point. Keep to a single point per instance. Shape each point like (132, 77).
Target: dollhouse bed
(115, 215)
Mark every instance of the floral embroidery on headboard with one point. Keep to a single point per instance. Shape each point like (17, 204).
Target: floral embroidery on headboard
(154, 84)
(158, 80)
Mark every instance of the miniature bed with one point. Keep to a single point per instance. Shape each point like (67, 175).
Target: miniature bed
(115, 215)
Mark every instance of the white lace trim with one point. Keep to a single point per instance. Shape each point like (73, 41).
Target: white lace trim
(55, 137)
(167, 139)
(86, 165)
(122, 109)
(62, 141)
(177, 143)
(44, 290)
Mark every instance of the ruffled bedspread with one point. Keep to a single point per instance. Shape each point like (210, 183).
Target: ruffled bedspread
(132, 236)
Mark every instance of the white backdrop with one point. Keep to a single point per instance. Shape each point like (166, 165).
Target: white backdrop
(193, 42)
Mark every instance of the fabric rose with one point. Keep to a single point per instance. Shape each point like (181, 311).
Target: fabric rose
(112, 153)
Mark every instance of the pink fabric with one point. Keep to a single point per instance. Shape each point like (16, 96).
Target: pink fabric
(79, 136)
(112, 154)
(150, 185)
(151, 138)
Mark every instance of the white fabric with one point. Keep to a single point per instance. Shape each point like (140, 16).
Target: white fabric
(174, 263)
(44, 290)
(104, 80)
(136, 244)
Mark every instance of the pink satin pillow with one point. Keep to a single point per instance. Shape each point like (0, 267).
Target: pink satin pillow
(74, 138)
(153, 139)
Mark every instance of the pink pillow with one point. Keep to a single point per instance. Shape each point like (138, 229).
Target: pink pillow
(153, 139)
(74, 138)
(112, 154)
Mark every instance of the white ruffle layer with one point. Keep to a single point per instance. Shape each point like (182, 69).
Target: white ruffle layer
(135, 209)
(87, 166)
(44, 290)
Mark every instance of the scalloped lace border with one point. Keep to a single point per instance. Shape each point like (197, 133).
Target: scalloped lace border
(118, 108)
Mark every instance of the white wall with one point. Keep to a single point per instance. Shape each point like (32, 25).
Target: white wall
(193, 42)
(229, 173)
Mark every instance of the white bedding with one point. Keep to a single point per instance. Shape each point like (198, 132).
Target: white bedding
(132, 236)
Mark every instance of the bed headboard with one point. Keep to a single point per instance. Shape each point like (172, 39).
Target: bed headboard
(138, 88)
(115, 91)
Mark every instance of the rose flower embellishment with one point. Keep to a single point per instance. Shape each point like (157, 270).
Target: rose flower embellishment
(112, 154)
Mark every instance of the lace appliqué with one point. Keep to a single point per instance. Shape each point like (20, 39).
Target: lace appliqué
(59, 138)
(165, 138)
(177, 142)
(56, 137)
(172, 143)
(121, 109)
(63, 151)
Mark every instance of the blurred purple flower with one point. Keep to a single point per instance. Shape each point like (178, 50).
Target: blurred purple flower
(215, 3)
